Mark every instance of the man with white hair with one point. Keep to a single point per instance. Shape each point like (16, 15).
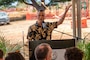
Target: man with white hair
(43, 52)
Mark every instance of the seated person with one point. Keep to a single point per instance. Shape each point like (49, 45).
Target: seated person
(1, 54)
(73, 53)
(14, 56)
(43, 52)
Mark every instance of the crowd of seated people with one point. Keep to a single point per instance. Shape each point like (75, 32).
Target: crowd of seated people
(44, 52)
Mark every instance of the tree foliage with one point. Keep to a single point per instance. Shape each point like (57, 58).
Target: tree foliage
(8, 2)
(60, 0)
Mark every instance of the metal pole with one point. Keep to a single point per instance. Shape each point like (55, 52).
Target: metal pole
(73, 18)
(23, 42)
(78, 18)
(87, 10)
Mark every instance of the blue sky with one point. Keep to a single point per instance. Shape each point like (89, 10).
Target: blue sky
(14, 4)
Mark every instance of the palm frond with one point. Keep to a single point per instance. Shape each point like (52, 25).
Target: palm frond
(7, 47)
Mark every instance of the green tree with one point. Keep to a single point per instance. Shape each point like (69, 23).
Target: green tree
(8, 2)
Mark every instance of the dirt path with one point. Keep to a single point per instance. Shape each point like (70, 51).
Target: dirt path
(18, 29)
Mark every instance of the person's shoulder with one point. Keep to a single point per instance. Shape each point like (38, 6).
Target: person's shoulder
(33, 25)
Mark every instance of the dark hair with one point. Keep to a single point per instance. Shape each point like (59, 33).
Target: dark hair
(41, 51)
(41, 10)
(73, 53)
(1, 53)
(14, 56)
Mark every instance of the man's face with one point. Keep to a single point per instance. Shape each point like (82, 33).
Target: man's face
(41, 16)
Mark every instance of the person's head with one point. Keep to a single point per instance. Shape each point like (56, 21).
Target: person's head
(41, 15)
(43, 52)
(1, 54)
(14, 56)
(73, 53)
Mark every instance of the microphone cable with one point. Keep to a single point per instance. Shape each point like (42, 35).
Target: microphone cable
(77, 38)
